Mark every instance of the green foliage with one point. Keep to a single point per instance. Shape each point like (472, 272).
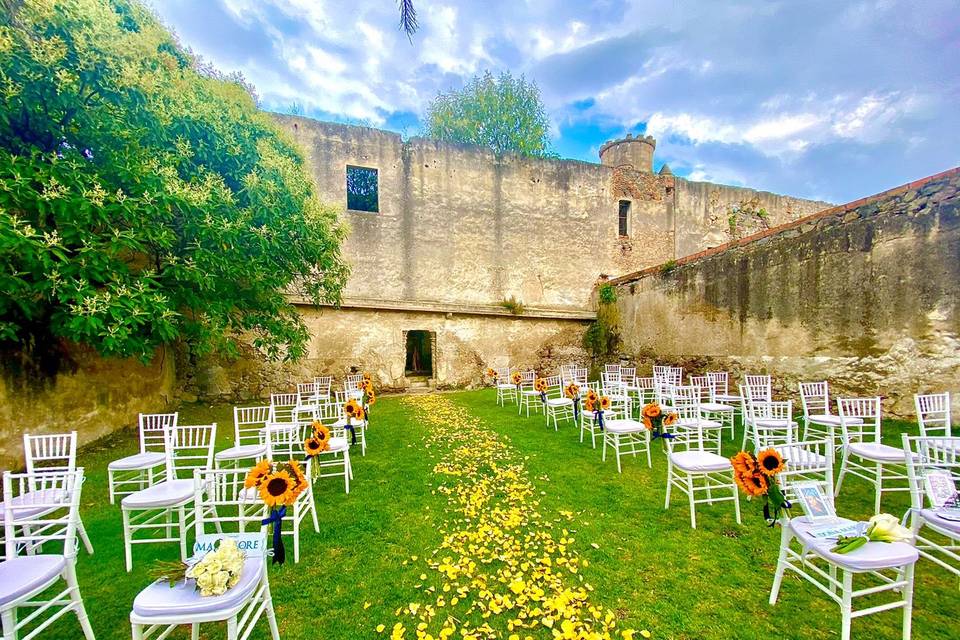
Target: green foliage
(607, 293)
(668, 267)
(144, 198)
(602, 337)
(505, 114)
(512, 305)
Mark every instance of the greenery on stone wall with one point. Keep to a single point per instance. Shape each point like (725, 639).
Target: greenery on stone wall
(144, 199)
(602, 337)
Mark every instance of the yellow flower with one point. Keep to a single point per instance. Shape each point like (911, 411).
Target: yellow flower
(257, 474)
(652, 410)
(572, 390)
(770, 462)
(352, 409)
(604, 403)
(278, 489)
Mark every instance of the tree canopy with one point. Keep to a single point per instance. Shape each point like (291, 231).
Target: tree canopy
(503, 113)
(144, 199)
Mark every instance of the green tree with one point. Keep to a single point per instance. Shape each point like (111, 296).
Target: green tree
(144, 199)
(504, 113)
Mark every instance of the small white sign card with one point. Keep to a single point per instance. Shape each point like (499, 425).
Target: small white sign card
(942, 493)
(815, 505)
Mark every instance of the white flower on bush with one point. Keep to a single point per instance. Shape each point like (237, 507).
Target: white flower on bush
(219, 570)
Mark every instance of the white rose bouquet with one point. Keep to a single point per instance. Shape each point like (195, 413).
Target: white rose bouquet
(880, 528)
(219, 570)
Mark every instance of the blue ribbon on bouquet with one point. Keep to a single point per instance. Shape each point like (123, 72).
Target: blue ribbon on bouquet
(353, 432)
(276, 519)
(598, 418)
(543, 397)
(576, 409)
(663, 434)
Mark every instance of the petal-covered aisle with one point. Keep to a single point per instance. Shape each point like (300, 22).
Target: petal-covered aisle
(504, 569)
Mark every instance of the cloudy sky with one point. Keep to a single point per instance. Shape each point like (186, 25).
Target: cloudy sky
(824, 99)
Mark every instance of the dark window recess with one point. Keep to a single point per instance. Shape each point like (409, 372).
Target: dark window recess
(624, 218)
(362, 191)
(419, 353)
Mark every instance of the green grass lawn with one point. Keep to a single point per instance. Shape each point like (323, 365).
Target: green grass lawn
(644, 563)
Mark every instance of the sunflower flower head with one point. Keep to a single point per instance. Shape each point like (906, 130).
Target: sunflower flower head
(572, 390)
(770, 462)
(540, 384)
(278, 489)
(648, 423)
(592, 396)
(651, 410)
(516, 378)
(604, 403)
(669, 419)
(352, 409)
(752, 484)
(744, 462)
(257, 474)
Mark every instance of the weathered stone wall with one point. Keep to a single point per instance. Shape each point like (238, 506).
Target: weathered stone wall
(99, 396)
(351, 340)
(864, 295)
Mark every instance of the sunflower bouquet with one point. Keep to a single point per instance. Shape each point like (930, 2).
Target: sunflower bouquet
(572, 391)
(278, 485)
(657, 421)
(492, 375)
(516, 378)
(353, 411)
(757, 477)
(597, 404)
(319, 440)
(540, 385)
(367, 397)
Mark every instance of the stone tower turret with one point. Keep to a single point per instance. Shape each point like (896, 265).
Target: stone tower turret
(635, 152)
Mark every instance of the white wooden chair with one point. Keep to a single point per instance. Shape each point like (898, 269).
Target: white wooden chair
(937, 538)
(864, 454)
(335, 461)
(694, 464)
(577, 375)
(506, 390)
(625, 435)
(588, 419)
(159, 609)
(41, 509)
(162, 511)
(351, 386)
(54, 452)
(721, 384)
(558, 406)
(528, 395)
(359, 427)
(282, 406)
(612, 371)
(709, 406)
(139, 471)
(249, 442)
(221, 500)
(818, 421)
(933, 416)
(323, 387)
(285, 442)
(684, 396)
(750, 397)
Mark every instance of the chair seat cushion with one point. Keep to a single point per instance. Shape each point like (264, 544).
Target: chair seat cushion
(715, 406)
(159, 599)
(773, 423)
(688, 423)
(801, 457)
(168, 493)
(530, 392)
(727, 398)
(24, 575)
(43, 499)
(949, 527)
(870, 557)
(338, 444)
(137, 461)
(878, 452)
(242, 452)
(828, 420)
(700, 461)
(560, 402)
(620, 425)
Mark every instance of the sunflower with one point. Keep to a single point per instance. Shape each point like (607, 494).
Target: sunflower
(278, 489)
(320, 431)
(743, 462)
(592, 396)
(367, 378)
(572, 390)
(648, 423)
(540, 385)
(361, 414)
(491, 373)
(669, 419)
(652, 410)
(516, 378)
(752, 484)
(299, 479)
(257, 474)
(769, 462)
(313, 446)
(604, 403)
(589, 405)
(352, 409)
(371, 398)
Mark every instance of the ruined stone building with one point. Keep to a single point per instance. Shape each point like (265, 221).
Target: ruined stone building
(448, 241)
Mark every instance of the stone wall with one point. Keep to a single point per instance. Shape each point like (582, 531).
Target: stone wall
(96, 398)
(864, 295)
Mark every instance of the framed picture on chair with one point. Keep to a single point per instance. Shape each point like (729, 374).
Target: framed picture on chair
(941, 489)
(815, 506)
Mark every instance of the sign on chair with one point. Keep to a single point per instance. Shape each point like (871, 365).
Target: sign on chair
(251, 544)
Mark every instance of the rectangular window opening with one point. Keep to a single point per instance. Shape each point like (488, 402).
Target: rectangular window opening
(624, 218)
(362, 189)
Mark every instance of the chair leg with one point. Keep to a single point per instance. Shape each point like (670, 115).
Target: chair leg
(232, 629)
(693, 505)
(296, 532)
(127, 545)
(346, 471)
(666, 502)
(195, 631)
(785, 538)
(137, 630)
(84, 537)
(113, 494)
(182, 534)
(736, 501)
(616, 450)
(70, 577)
(845, 605)
(649, 461)
(843, 472)
(879, 488)
(9, 617)
(603, 455)
(271, 615)
(313, 508)
(908, 601)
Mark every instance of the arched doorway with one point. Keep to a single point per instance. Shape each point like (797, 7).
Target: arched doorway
(419, 353)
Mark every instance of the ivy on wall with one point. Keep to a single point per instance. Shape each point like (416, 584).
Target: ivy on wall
(602, 338)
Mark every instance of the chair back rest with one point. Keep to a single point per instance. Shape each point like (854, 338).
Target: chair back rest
(554, 387)
(773, 424)
(703, 385)
(628, 373)
(527, 379)
(761, 383)
(685, 402)
(807, 461)
(323, 385)
(285, 442)
(281, 406)
(577, 375)
(248, 424)
(54, 452)
(933, 456)
(353, 382)
(868, 411)
(815, 398)
(222, 500)
(720, 380)
(153, 430)
(503, 374)
(307, 393)
(933, 414)
(611, 368)
(40, 508)
(610, 376)
(190, 447)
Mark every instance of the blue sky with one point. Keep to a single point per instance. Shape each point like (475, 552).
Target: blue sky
(831, 100)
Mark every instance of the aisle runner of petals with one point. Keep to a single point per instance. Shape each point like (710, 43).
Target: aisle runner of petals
(502, 570)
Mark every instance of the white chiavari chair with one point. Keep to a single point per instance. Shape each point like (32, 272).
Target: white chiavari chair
(506, 390)
(282, 406)
(357, 428)
(818, 421)
(40, 510)
(285, 442)
(558, 406)
(625, 434)
(589, 422)
(139, 471)
(934, 516)
(335, 461)
(933, 416)
(749, 398)
(528, 395)
(249, 442)
(162, 512)
(711, 409)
